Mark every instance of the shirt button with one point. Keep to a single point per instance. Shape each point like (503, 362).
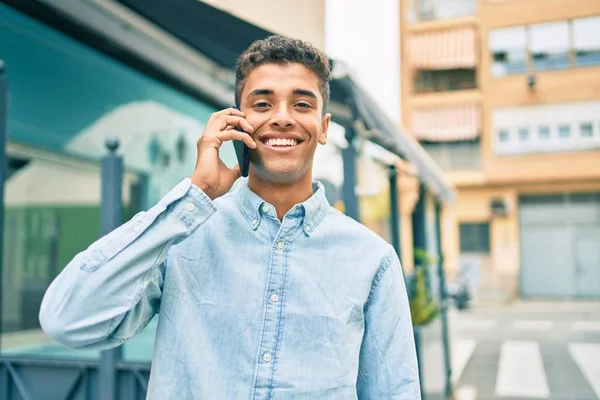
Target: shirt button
(254, 222)
(267, 357)
(190, 207)
(274, 297)
(280, 245)
(307, 228)
(265, 208)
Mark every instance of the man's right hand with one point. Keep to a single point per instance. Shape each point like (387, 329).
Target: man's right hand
(211, 174)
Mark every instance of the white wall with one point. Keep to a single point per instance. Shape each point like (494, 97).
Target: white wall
(298, 19)
(366, 35)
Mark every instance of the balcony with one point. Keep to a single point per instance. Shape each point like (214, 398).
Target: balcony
(429, 81)
(433, 10)
(455, 156)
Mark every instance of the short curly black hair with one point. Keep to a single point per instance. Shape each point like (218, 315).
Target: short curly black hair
(281, 50)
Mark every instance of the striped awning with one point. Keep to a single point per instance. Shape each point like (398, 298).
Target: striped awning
(446, 124)
(447, 49)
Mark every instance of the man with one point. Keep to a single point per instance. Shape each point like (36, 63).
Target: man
(264, 292)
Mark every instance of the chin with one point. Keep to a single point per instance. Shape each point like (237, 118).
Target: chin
(278, 174)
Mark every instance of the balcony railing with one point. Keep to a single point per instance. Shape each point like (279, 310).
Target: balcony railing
(445, 80)
(428, 10)
(455, 156)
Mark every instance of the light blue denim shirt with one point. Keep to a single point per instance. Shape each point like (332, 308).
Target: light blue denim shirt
(313, 307)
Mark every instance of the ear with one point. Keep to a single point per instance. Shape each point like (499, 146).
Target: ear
(324, 128)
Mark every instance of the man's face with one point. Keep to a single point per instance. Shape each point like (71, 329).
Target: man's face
(283, 103)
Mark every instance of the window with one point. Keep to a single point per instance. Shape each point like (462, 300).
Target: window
(475, 237)
(586, 129)
(544, 132)
(503, 136)
(564, 131)
(508, 48)
(546, 46)
(444, 9)
(586, 41)
(523, 134)
(549, 45)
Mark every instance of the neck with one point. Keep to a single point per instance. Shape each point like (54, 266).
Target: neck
(282, 196)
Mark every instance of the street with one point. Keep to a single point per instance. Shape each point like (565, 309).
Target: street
(530, 350)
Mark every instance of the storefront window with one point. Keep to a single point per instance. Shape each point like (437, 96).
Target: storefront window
(52, 212)
(66, 99)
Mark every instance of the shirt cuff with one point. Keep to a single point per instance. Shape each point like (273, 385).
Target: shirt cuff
(193, 207)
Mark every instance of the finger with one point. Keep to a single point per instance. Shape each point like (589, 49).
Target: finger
(228, 111)
(232, 134)
(231, 120)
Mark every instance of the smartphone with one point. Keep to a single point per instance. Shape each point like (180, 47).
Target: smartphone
(242, 151)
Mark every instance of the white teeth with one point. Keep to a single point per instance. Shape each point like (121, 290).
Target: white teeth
(281, 142)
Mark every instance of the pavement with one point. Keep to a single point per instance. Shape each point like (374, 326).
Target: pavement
(528, 350)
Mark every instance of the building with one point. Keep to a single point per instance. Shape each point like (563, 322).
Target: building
(149, 73)
(505, 96)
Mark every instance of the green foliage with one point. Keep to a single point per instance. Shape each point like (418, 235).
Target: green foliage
(423, 307)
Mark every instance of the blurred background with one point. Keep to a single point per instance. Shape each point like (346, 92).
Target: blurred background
(466, 133)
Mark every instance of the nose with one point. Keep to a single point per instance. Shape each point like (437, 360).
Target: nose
(282, 118)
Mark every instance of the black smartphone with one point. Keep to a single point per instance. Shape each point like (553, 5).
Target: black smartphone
(242, 151)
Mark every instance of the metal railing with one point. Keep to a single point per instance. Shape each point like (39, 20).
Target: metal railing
(445, 80)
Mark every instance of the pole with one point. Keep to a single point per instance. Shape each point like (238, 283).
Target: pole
(3, 171)
(449, 391)
(419, 243)
(394, 210)
(111, 216)
(349, 186)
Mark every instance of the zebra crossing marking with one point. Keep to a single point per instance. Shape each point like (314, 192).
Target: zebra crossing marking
(587, 356)
(466, 393)
(586, 326)
(434, 377)
(521, 371)
(532, 325)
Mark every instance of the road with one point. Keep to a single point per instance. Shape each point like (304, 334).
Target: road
(530, 350)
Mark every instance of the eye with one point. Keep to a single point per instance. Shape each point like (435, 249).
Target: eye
(304, 105)
(262, 104)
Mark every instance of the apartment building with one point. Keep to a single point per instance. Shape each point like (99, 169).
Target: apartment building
(505, 95)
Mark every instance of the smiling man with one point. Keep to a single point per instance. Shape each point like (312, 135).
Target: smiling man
(264, 291)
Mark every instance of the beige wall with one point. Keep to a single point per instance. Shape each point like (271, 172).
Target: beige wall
(561, 86)
(298, 19)
(500, 275)
(514, 175)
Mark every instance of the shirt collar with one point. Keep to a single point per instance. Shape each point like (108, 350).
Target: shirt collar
(254, 208)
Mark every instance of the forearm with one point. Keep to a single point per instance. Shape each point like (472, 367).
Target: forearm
(96, 290)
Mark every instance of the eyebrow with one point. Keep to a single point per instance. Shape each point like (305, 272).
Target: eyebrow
(304, 92)
(270, 92)
(261, 92)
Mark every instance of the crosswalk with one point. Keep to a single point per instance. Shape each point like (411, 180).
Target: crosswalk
(517, 368)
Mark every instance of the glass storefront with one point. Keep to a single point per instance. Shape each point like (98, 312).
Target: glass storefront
(66, 99)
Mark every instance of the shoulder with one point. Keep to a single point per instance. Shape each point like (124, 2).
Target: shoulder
(356, 234)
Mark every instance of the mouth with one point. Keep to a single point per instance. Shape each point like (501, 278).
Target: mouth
(281, 143)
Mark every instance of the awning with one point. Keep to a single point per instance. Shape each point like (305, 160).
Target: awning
(208, 42)
(446, 124)
(383, 132)
(446, 49)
